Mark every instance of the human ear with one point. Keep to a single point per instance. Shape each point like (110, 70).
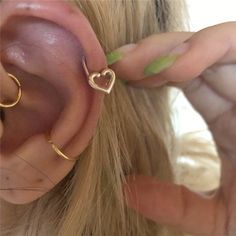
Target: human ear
(42, 44)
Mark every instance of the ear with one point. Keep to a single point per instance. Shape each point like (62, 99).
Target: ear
(42, 44)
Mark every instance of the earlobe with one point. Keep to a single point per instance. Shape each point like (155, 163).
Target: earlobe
(43, 44)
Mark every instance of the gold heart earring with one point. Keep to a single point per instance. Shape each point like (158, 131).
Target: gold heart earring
(91, 79)
(96, 75)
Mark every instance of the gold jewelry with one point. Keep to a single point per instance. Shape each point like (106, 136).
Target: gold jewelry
(57, 150)
(18, 95)
(105, 73)
(91, 79)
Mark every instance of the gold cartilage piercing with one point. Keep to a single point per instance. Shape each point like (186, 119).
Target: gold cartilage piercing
(57, 150)
(18, 95)
(96, 75)
(91, 80)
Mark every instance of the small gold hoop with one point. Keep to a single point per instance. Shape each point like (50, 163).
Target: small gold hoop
(18, 95)
(57, 150)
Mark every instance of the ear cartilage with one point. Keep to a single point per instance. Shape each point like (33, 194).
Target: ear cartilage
(107, 74)
(57, 150)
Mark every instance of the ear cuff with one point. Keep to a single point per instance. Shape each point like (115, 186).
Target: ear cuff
(94, 80)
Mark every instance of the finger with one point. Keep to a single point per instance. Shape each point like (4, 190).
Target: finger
(215, 94)
(199, 51)
(215, 45)
(134, 59)
(175, 206)
(206, 100)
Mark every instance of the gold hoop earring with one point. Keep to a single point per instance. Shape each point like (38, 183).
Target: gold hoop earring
(18, 95)
(96, 75)
(57, 150)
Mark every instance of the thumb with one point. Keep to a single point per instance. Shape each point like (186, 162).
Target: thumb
(174, 205)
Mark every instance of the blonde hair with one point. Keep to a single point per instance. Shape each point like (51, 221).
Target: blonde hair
(134, 135)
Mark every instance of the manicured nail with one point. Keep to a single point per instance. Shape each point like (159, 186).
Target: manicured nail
(160, 64)
(114, 57)
(167, 61)
(119, 53)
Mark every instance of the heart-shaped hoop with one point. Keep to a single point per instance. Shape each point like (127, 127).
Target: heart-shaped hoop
(104, 73)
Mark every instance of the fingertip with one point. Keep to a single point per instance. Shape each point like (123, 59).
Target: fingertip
(113, 57)
(127, 48)
(119, 54)
(130, 191)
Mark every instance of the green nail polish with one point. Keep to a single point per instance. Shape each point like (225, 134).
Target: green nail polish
(114, 57)
(160, 64)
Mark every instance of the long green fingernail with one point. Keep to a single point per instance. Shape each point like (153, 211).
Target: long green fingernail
(114, 57)
(160, 64)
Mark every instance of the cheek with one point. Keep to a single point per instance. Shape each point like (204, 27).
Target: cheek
(27, 178)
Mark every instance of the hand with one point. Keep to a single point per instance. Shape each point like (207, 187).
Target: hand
(203, 65)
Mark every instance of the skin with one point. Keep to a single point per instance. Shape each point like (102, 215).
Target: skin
(206, 74)
(56, 96)
(205, 70)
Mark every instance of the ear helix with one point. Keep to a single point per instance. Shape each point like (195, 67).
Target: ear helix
(91, 80)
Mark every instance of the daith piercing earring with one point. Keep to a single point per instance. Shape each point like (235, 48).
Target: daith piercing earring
(19, 94)
(106, 73)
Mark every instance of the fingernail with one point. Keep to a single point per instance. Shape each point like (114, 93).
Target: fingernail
(130, 192)
(119, 53)
(165, 62)
(114, 57)
(160, 64)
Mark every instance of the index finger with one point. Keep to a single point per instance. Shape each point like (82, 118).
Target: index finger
(134, 60)
(194, 54)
